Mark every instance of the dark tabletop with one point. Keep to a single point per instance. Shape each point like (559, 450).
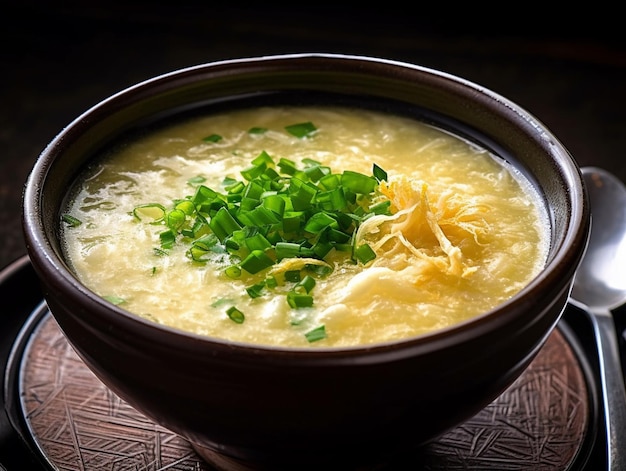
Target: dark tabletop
(58, 61)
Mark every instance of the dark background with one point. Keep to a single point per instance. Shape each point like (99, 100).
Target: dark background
(57, 60)
(567, 66)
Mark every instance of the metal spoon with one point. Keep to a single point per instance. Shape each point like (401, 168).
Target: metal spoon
(599, 286)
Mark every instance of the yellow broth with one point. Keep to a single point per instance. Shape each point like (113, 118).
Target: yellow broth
(467, 230)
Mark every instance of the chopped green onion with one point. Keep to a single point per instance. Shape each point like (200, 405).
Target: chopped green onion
(302, 196)
(71, 220)
(253, 171)
(227, 182)
(332, 200)
(307, 284)
(263, 158)
(271, 282)
(159, 252)
(293, 275)
(364, 254)
(154, 211)
(258, 242)
(319, 270)
(337, 236)
(320, 221)
(319, 333)
(316, 172)
(223, 224)
(384, 207)
(287, 250)
(255, 290)
(167, 239)
(357, 182)
(222, 302)
(233, 271)
(212, 138)
(175, 219)
(287, 166)
(186, 206)
(298, 300)
(379, 173)
(256, 261)
(197, 253)
(114, 299)
(257, 130)
(196, 180)
(259, 216)
(292, 221)
(301, 129)
(275, 203)
(275, 210)
(235, 315)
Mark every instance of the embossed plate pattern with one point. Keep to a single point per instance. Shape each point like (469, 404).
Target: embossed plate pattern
(544, 421)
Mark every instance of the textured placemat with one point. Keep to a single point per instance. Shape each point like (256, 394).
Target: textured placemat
(539, 423)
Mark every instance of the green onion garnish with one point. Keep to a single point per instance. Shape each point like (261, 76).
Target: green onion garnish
(154, 211)
(301, 129)
(235, 315)
(114, 299)
(71, 220)
(276, 210)
(255, 290)
(364, 254)
(257, 130)
(233, 271)
(167, 239)
(212, 138)
(305, 285)
(319, 333)
(379, 173)
(196, 180)
(297, 300)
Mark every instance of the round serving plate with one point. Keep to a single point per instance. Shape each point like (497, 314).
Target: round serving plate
(61, 417)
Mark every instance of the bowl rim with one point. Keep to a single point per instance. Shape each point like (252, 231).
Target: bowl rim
(49, 265)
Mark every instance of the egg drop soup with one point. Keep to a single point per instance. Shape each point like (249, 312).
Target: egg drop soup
(304, 226)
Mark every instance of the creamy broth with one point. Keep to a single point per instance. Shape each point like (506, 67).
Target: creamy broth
(466, 230)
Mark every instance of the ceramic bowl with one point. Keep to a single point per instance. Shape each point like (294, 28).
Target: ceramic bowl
(252, 407)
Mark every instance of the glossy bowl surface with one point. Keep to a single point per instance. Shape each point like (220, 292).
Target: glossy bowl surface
(251, 407)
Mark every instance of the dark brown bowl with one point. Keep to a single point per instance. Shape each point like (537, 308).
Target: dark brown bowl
(252, 407)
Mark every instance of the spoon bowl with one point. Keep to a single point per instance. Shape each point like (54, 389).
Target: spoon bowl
(599, 286)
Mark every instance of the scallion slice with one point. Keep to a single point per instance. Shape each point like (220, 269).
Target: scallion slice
(305, 285)
(275, 210)
(319, 333)
(255, 290)
(212, 138)
(256, 261)
(379, 173)
(197, 180)
(257, 130)
(167, 239)
(71, 220)
(298, 300)
(235, 315)
(301, 129)
(364, 254)
(114, 299)
(154, 211)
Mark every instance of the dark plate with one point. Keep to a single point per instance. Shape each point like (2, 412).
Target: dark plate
(24, 316)
(19, 295)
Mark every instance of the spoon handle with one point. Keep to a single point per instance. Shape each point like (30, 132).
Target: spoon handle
(613, 388)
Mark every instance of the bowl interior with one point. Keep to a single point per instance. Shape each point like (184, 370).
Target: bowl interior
(448, 102)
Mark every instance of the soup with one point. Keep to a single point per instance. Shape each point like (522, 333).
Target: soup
(304, 226)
